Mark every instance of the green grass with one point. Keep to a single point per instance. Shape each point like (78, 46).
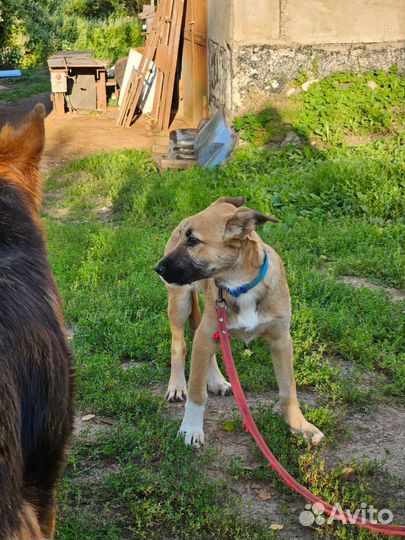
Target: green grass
(344, 104)
(33, 81)
(334, 109)
(341, 212)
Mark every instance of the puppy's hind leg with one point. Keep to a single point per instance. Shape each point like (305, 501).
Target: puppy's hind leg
(216, 382)
(282, 355)
(180, 308)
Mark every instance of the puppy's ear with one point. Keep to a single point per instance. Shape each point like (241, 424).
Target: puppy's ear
(236, 201)
(20, 153)
(243, 222)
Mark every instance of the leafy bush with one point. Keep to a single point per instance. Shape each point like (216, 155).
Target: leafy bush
(110, 38)
(9, 57)
(345, 103)
(30, 31)
(27, 31)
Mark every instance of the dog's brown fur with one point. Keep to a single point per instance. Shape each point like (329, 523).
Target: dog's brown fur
(221, 243)
(36, 385)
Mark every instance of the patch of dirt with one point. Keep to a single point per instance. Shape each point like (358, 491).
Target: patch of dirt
(78, 134)
(357, 140)
(395, 295)
(364, 379)
(13, 113)
(94, 473)
(278, 509)
(377, 435)
(90, 429)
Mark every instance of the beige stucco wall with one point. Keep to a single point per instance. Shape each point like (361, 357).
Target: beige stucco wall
(258, 44)
(255, 22)
(220, 17)
(260, 22)
(347, 21)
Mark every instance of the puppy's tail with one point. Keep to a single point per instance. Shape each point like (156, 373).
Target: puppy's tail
(195, 315)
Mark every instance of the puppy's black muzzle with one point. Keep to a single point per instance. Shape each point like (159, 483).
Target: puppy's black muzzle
(180, 270)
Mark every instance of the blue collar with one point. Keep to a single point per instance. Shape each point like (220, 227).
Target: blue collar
(242, 289)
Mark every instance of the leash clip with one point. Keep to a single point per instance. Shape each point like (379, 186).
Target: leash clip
(220, 302)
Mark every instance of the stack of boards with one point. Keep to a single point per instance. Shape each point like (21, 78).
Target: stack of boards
(162, 48)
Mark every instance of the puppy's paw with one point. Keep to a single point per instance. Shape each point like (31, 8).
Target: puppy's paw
(309, 432)
(192, 438)
(216, 382)
(176, 391)
(218, 385)
(192, 426)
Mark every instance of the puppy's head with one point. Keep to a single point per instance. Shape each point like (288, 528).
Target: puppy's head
(209, 243)
(20, 153)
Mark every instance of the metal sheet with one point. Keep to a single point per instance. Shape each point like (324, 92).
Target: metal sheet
(214, 142)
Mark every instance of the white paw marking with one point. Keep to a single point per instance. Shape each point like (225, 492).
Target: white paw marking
(191, 428)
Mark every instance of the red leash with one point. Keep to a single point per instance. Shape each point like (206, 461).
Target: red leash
(250, 426)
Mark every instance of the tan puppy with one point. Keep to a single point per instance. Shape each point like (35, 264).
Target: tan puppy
(219, 246)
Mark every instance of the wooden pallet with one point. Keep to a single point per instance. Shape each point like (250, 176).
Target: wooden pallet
(162, 45)
(166, 65)
(138, 76)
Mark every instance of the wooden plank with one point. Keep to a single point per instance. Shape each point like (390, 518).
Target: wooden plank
(58, 100)
(163, 120)
(160, 148)
(160, 71)
(195, 62)
(101, 91)
(135, 84)
(176, 163)
(161, 139)
(195, 79)
(196, 21)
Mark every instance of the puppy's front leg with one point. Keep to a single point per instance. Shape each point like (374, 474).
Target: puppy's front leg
(179, 310)
(204, 347)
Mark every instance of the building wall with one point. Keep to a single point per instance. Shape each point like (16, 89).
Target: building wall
(256, 44)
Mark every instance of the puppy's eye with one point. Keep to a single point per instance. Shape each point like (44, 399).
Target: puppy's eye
(192, 241)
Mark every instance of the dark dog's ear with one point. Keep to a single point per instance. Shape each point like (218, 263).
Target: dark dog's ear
(236, 201)
(243, 222)
(20, 153)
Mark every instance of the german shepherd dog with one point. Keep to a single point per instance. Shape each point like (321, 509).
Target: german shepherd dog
(36, 383)
(220, 247)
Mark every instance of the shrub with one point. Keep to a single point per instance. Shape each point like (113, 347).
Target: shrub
(9, 57)
(31, 31)
(110, 38)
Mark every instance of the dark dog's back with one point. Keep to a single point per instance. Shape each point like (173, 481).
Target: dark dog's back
(35, 361)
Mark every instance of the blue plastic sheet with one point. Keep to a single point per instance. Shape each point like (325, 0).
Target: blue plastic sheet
(10, 73)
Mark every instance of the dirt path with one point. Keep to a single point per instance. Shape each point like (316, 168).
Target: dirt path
(78, 134)
(377, 435)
